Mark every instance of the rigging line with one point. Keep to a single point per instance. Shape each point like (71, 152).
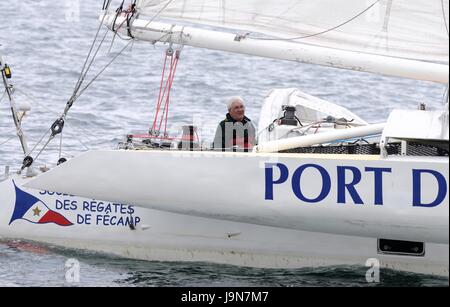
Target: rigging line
(165, 97)
(79, 141)
(9, 132)
(73, 97)
(75, 136)
(93, 58)
(103, 69)
(87, 134)
(13, 137)
(320, 33)
(158, 104)
(130, 12)
(130, 17)
(116, 34)
(60, 145)
(158, 13)
(40, 152)
(35, 102)
(113, 25)
(106, 4)
(443, 14)
(58, 125)
(3, 96)
(17, 121)
(87, 86)
(168, 95)
(40, 141)
(387, 16)
(77, 86)
(445, 94)
(168, 86)
(89, 54)
(43, 136)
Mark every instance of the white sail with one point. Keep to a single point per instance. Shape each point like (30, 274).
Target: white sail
(413, 29)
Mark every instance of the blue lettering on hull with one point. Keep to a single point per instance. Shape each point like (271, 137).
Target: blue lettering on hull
(417, 184)
(348, 184)
(92, 212)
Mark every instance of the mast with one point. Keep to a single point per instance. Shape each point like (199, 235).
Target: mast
(141, 29)
(6, 74)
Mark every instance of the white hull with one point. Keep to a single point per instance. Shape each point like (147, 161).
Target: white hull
(239, 187)
(167, 236)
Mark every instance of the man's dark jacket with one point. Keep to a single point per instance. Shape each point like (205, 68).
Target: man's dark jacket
(231, 133)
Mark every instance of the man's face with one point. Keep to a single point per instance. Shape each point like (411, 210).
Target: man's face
(237, 111)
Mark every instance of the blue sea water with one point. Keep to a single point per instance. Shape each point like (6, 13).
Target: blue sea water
(46, 43)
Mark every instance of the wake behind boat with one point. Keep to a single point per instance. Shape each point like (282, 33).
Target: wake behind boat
(321, 187)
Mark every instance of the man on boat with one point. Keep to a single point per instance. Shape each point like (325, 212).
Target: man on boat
(236, 132)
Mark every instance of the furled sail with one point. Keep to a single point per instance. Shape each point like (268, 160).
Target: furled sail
(409, 29)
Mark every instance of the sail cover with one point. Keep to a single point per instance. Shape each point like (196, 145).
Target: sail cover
(412, 29)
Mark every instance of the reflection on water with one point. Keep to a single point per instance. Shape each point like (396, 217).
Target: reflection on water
(32, 264)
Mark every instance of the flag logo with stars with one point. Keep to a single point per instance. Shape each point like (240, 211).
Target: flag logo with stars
(33, 210)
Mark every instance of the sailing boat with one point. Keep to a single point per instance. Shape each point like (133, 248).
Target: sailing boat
(300, 202)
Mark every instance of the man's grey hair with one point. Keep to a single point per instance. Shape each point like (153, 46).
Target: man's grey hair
(234, 99)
